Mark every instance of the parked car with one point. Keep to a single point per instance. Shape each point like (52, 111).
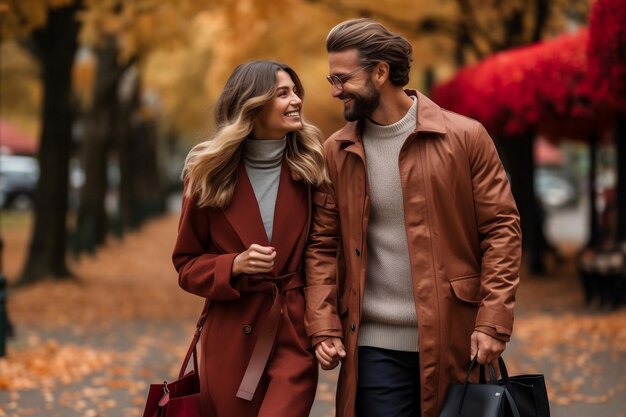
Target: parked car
(18, 181)
(554, 188)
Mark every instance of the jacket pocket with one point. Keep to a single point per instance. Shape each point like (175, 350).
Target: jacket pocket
(467, 288)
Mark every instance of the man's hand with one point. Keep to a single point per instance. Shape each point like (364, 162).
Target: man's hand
(486, 347)
(329, 352)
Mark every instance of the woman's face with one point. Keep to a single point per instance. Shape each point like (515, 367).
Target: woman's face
(282, 114)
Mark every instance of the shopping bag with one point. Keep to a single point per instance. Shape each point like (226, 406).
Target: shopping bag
(529, 392)
(179, 398)
(478, 400)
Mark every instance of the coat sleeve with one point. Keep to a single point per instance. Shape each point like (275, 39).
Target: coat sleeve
(500, 237)
(200, 271)
(322, 318)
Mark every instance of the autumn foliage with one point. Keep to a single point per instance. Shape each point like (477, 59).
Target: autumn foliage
(567, 86)
(526, 89)
(607, 52)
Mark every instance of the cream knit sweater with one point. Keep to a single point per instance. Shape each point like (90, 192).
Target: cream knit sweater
(389, 319)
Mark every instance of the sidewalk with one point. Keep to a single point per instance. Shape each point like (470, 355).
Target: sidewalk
(91, 349)
(123, 360)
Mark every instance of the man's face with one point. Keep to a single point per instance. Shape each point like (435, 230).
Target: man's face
(360, 97)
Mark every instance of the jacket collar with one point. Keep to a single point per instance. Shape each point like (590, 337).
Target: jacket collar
(429, 119)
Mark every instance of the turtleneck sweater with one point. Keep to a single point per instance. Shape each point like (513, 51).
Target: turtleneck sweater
(389, 319)
(262, 159)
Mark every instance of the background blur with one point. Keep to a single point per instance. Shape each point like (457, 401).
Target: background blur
(100, 101)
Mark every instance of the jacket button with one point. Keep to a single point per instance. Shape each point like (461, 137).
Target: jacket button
(353, 327)
(358, 252)
(247, 329)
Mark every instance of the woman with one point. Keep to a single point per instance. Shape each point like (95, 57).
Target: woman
(242, 231)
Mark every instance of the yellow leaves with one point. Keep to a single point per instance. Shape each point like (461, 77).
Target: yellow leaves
(141, 26)
(46, 365)
(23, 16)
(581, 351)
(20, 17)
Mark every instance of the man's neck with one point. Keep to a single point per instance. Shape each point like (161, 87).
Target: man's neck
(394, 103)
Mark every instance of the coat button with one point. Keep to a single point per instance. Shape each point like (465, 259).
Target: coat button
(358, 252)
(353, 327)
(247, 329)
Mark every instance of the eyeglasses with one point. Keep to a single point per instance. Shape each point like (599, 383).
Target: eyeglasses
(338, 80)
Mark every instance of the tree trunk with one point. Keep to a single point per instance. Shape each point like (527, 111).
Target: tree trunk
(520, 165)
(594, 220)
(141, 192)
(129, 219)
(101, 122)
(57, 43)
(620, 146)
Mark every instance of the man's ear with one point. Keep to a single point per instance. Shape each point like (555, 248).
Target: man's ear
(381, 73)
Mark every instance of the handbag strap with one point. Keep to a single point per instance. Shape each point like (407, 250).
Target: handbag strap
(493, 379)
(511, 402)
(192, 351)
(503, 372)
(492, 375)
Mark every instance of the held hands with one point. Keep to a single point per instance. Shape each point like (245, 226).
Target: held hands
(486, 347)
(256, 259)
(329, 352)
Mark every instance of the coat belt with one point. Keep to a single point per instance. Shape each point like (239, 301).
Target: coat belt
(268, 332)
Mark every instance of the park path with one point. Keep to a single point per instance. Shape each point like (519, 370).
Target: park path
(90, 347)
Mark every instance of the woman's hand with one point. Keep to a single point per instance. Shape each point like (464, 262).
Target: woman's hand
(257, 259)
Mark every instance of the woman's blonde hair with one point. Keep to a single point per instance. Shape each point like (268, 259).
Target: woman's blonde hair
(211, 166)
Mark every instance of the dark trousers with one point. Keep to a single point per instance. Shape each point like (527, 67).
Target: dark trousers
(389, 383)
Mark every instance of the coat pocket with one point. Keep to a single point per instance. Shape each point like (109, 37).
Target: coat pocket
(467, 288)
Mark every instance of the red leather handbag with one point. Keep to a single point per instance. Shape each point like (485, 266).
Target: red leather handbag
(179, 398)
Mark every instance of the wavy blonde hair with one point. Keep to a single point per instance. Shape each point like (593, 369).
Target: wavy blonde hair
(211, 166)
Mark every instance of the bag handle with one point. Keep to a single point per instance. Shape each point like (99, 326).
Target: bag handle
(503, 372)
(493, 381)
(192, 351)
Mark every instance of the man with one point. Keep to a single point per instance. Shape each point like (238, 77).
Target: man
(414, 252)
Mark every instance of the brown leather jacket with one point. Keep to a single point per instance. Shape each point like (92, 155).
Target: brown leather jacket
(464, 240)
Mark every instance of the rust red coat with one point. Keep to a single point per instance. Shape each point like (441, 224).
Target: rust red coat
(241, 306)
(464, 240)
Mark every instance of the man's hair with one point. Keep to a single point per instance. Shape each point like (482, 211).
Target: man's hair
(375, 43)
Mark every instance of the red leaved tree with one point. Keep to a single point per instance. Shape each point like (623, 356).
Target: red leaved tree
(517, 94)
(607, 83)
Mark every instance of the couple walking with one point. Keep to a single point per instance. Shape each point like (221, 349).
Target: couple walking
(392, 248)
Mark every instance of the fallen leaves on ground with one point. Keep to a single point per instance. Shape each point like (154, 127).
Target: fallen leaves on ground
(129, 278)
(49, 363)
(580, 349)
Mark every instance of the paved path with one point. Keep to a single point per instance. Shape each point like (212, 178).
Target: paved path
(133, 355)
(137, 353)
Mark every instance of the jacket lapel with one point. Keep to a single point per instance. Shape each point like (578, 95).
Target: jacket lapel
(243, 212)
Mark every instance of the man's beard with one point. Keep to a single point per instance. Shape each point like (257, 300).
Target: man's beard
(362, 105)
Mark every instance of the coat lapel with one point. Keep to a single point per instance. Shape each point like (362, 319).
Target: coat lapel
(290, 216)
(243, 212)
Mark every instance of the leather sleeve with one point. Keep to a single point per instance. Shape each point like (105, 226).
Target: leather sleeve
(500, 236)
(322, 318)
